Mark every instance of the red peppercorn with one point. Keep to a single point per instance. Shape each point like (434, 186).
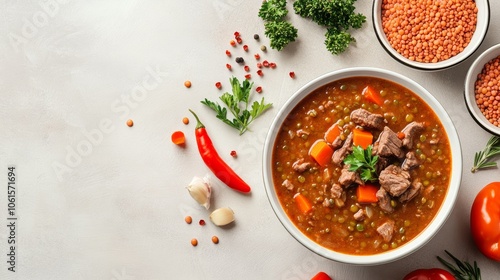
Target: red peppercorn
(246, 68)
(239, 40)
(245, 48)
(292, 75)
(260, 73)
(232, 42)
(228, 53)
(258, 89)
(248, 76)
(259, 65)
(272, 65)
(228, 66)
(257, 56)
(218, 85)
(265, 63)
(236, 34)
(233, 153)
(202, 222)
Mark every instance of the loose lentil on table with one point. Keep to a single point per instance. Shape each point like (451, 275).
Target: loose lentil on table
(486, 89)
(429, 31)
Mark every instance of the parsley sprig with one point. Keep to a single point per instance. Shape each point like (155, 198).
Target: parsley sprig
(238, 104)
(279, 31)
(363, 161)
(481, 159)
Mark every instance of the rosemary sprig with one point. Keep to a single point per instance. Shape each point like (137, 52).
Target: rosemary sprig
(481, 158)
(462, 270)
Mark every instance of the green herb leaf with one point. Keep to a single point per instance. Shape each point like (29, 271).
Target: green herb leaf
(273, 10)
(481, 159)
(364, 162)
(280, 33)
(237, 103)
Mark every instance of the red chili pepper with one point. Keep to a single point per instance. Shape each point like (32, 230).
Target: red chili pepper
(214, 162)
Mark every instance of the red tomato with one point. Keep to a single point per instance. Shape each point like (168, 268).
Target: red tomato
(485, 220)
(429, 274)
(321, 276)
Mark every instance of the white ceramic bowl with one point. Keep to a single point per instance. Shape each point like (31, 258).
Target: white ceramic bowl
(483, 19)
(438, 220)
(470, 80)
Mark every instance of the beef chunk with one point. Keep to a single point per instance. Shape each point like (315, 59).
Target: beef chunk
(336, 191)
(382, 163)
(411, 131)
(384, 201)
(360, 215)
(339, 155)
(337, 143)
(301, 166)
(410, 162)
(412, 191)
(288, 185)
(394, 180)
(388, 144)
(367, 120)
(348, 178)
(386, 230)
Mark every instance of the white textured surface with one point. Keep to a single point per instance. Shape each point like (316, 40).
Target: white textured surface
(117, 212)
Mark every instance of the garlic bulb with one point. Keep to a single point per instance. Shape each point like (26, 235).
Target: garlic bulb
(222, 216)
(200, 190)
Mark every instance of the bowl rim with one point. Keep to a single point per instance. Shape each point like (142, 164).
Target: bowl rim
(442, 65)
(432, 228)
(470, 79)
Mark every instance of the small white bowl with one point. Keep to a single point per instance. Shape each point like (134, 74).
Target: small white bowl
(470, 80)
(446, 207)
(483, 19)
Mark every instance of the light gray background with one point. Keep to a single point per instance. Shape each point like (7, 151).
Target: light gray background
(74, 70)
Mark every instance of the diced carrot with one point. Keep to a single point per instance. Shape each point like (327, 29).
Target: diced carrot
(361, 138)
(367, 193)
(178, 138)
(372, 95)
(401, 135)
(321, 276)
(321, 152)
(305, 206)
(332, 133)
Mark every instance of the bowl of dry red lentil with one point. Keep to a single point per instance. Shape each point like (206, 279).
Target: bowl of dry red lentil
(431, 35)
(482, 90)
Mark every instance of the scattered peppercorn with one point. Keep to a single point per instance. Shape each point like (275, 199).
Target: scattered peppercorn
(202, 222)
(256, 36)
(228, 66)
(188, 219)
(260, 73)
(233, 153)
(248, 76)
(263, 48)
(232, 42)
(272, 65)
(215, 239)
(228, 53)
(130, 123)
(187, 84)
(265, 63)
(259, 65)
(245, 48)
(194, 242)
(218, 85)
(236, 34)
(258, 89)
(239, 59)
(185, 120)
(292, 75)
(246, 68)
(239, 40)
(257, 56)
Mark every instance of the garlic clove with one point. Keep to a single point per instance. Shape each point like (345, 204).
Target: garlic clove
(200, 190)
(222, 216)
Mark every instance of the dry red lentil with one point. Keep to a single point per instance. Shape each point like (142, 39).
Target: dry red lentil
(232, 43)
(265, 63)
(188, 219)
(486, 89)
(233, 154)
(257, 56)
(194, 242)
(239, 40)
(272, 65)
(429, 31)
(187, 84)
(292, 74)
(130, 123)
(259, 65)
(215, 239)
(185, 120)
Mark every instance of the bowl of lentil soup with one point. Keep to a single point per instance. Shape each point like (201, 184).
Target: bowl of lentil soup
(329, 208)
(482, 90)
(430, 35)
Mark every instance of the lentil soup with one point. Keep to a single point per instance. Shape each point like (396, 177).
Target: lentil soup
(322, 197)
